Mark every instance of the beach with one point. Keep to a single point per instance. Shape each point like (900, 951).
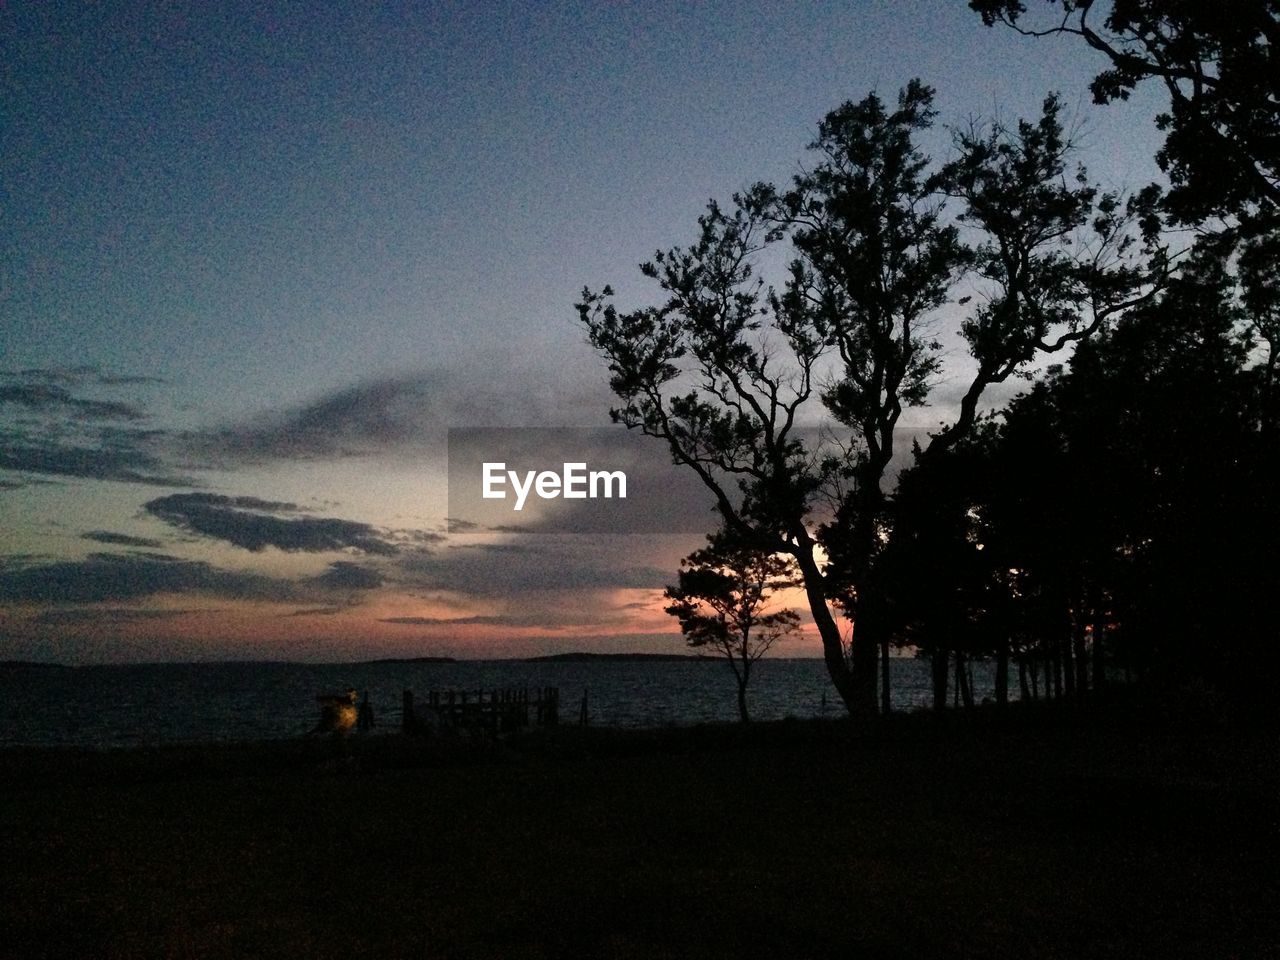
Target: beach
(1057, 833)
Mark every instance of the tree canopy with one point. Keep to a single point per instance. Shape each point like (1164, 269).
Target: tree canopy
(1220, 67)
(721, 601)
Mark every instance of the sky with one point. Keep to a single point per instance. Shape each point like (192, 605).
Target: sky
(256, 260)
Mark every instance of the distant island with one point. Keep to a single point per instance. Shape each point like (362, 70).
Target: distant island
(409, 660)
(581, 657)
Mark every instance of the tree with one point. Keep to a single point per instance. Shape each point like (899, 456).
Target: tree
(1220, 67)
(1173, 485)
(720, 602)
(940, 570)
(725, 368)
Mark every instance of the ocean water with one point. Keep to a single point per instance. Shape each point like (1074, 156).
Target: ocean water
(107, 706)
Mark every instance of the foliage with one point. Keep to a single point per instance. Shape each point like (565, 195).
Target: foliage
(720, 602)
(1218, 64)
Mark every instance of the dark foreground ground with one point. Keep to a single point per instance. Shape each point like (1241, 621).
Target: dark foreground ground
(1073, 834)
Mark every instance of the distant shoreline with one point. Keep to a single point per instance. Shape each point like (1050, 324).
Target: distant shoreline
(572, 657)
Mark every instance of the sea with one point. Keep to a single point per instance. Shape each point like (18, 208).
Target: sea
(155, 704)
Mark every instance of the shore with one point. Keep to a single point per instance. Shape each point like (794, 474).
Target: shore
(1052, 833)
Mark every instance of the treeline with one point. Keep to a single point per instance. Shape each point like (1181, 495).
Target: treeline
(1120, 518)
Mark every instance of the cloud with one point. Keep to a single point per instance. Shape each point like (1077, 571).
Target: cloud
(113, 578)
(352, 422)
(252, 524)
(46, 398)
(120, 539)
(403, 412)
(124, 460)
(50, 427)
(344, 575)
(317, 611)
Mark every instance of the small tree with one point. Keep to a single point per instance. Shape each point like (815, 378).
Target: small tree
(720, 601)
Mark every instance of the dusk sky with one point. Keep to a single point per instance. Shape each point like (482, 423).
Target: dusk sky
(256, 259)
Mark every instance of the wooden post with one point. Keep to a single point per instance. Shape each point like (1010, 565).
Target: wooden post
(407, 720)
(583, 716)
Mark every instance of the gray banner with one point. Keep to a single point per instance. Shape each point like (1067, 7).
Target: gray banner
(571, 480)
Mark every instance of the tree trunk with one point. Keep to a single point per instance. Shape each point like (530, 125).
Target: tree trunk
(1022, 681)
(1082, 660)
(962, 681)
(1068, 664)
(742, 674)
(1002, 673)
(941, 662)
(854, 683)
(870, 636)
(885, 701)
(1099, 664)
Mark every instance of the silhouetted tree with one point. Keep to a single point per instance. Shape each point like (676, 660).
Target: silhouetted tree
(1220, 67)
(707, 372)
(721, 599)
(939, 570)
(1184, 512)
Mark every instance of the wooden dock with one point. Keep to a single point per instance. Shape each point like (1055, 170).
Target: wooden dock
(493, 711)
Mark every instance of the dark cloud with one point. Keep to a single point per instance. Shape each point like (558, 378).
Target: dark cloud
(120, 539)
(344, 575)
(415, 539)
(496, 548)
(47, 398)
(118, 461)
(112, 578)
(406, 412)
(353, 422)
(317, 611)
(54, 424)
(242, 521)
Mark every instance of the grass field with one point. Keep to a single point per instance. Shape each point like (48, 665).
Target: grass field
(1065, 833)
